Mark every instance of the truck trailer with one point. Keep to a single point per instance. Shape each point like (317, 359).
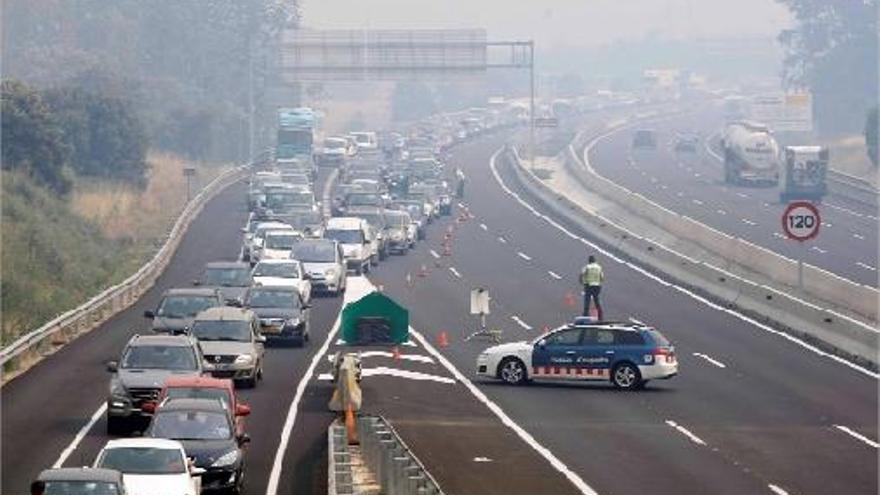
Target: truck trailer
(751, 154)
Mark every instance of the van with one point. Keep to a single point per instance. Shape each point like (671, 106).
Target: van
(360, 245)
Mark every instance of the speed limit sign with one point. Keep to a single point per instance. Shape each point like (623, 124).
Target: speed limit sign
(801, 221)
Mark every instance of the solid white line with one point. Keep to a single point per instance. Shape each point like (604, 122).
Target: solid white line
(460, 205)
(524, 256)
(520, 322)
(79, 436)
(818, 250)
(866, 266)
(434, 254)
(409, 375)
(418, 358)
(858, 436)
(502, 240)
(742, 195)
(525, 436)
(454, 272)
(682, 290)
(684, 431)
(287, 430)
(711, 360)
(554, 275)
(483, 226)
(778, 235)
(775, 489)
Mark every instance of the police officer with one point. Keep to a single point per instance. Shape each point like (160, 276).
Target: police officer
(592, 278)
(459, 185)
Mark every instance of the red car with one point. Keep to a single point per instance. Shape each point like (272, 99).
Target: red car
(204, 387)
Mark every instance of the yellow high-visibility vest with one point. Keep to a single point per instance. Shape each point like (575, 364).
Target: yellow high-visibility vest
(592, 274)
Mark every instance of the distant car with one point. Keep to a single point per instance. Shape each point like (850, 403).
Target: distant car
(375, 217)
(644, 139)
(401, 231)
(146, 362)
(284, 272)
(231, 278)
(626, 354)
(416, 210)
(254, 243)
(686, 144)
(366, 141)
(336, 150)
(278, 244)
(324, 261)
(82, 481)
(283, 315)
(358, 241)
(151, 466)
(209, 438)
(179, 307)
(230, 340)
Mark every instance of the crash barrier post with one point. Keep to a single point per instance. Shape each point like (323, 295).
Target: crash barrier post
(340, 480)
(853, 188)
(766, 304)
(33, 346)
(396, 468)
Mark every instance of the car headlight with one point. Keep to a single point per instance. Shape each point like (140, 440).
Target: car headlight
(226, 459)
(244, 359)
(292, 322)
(330, 273)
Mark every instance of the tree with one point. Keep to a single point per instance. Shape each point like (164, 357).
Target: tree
(32, 140)
(832, 50)
(871, 134)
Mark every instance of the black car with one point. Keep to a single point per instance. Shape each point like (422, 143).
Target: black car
(283, 315)
(208, 435)
(179, 307)
(82, 481)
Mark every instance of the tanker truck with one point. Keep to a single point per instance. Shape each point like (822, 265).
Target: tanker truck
(751, 154)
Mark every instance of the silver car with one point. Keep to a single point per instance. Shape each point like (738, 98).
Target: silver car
(231, 342)
(324, 262)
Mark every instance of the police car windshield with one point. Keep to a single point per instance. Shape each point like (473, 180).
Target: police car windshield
(81, 488)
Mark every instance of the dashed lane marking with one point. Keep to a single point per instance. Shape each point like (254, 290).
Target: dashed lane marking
(454, 272)
(520, 322)
(715, 362)
(697, 202)
(859, 237)
(866, 266)
(858, 436)
(748, 222)
(502, 240)
(524, 256)
(483, 226)
(554, 275)
(684, 431)
(742, 195)
(775, 489)
(721, 212)
(819, 250)
(434, 254)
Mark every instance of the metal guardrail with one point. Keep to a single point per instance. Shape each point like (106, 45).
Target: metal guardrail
(69, 325)
(853, 188)
(395, 468)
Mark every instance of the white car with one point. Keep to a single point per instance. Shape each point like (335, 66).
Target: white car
(366, 141)
(285, 272)
(151, 466)
(254, 241)
(277, 244)
(360, 246)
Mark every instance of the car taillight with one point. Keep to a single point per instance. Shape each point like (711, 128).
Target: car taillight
(666, 353)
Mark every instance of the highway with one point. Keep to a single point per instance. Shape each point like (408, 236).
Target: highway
(692, 184)
(752, 411)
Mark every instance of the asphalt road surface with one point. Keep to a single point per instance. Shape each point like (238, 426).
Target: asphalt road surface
(692, 184)
(751, 412)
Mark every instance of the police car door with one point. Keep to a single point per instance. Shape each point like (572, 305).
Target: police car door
(556, 356)
(597, 353)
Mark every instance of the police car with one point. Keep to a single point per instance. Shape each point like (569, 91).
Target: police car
(626, 354)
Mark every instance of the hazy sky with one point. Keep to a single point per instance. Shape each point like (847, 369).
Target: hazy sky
(557, 22)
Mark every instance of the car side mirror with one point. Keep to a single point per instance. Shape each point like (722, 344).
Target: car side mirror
(244, 439)
(242, 410)
(197, 471)
(197, 282)
(112, 366)
(260, 339)
(149, 314)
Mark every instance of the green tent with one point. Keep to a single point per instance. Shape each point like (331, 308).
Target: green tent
(375, 319)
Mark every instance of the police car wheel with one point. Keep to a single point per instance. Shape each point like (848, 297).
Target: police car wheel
(626, 377)
(512, 371)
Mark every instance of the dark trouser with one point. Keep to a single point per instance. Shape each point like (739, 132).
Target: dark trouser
(591, 292)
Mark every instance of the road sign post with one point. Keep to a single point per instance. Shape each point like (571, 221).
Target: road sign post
(801, 222)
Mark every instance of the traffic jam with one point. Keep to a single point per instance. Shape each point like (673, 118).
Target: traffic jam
(172, 398)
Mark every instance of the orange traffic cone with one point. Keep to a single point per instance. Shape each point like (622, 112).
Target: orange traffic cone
(423, 271)
(443, 340)
(570, 300)
(351, 426)
(395, 353)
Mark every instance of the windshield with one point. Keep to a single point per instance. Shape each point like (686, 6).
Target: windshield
(315, 252)
(335, 144)
(345, 236)
(283, 241)
(234, 331)
(280, 200)
(143, 460)
(373, 219)
(282, 270)
(81, 488)
(398, 221)
(261, 231)
(159, 357)
(260, 298)
(191, 425)
(363, 199)
(185, 306)
(198, 393)
(228, 277)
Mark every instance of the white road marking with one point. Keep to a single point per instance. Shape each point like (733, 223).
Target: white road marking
(434, 254)
(520, 322)
(799, 342)
(409, 375)
(454, 272)
(483, 226)
(748, 222)
(506, 420)
(711, 360)
(461, 205)
(696, 202)
(826, 225)
(778, 235)
(684, 431)
(524, 256)
(721, 212)
(858, 436)
(859, 237)
(80, 435)
(697, 175)
(554, 275)
(742, 195)
(482, 459)
(636, 321)
(818, 250)
(418, 358)
(502, 240)
(680, 194)
(851, 212)
(664, 186)
(775, 489)
(866, 266)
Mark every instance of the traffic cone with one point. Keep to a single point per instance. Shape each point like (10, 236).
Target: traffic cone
(443, 340)
(351, 426)
(395, 353)
(423, 271)
(545, 330)
(409, 280)
(570, 300)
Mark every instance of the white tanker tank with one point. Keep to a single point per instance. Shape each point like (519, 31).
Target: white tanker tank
(751, 154)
